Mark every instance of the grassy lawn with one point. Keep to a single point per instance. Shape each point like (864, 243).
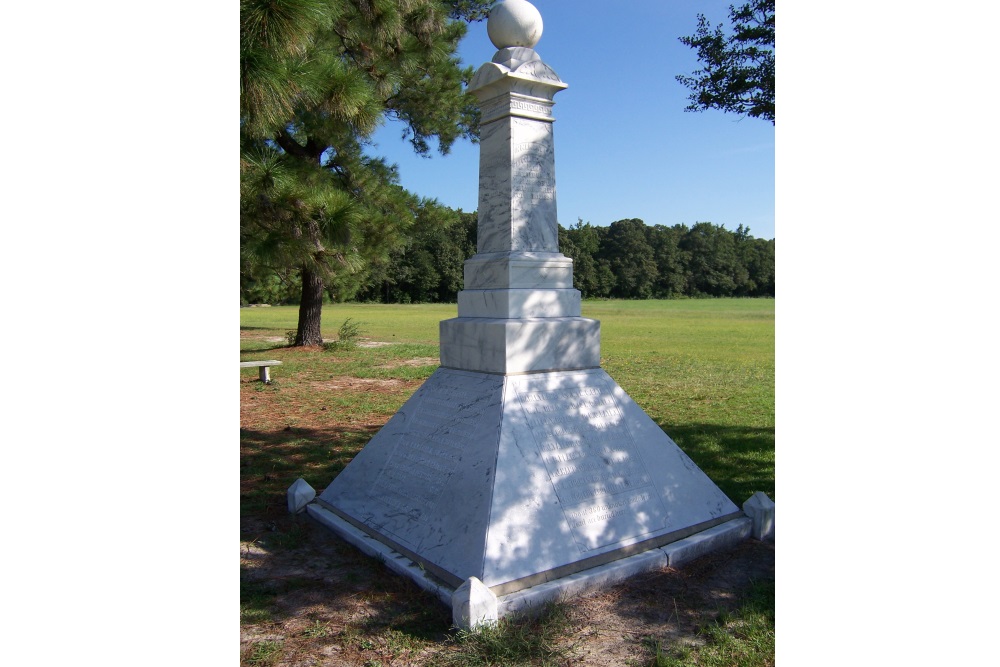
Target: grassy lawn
(702, 369)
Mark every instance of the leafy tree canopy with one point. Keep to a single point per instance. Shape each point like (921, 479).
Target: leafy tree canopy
(317, 77)
(738, 72)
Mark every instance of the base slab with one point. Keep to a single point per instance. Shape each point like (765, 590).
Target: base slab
(530, 600)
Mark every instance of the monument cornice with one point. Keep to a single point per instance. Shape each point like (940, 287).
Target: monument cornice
(530, 79)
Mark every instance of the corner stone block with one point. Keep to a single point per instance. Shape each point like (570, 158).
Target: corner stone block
(300, 494)
(473, 604)
(760, 509)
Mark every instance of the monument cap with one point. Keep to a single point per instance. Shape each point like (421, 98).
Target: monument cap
(514, 23)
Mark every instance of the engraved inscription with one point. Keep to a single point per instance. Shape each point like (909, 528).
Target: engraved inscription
(605, 511)
(416, 473)
(506, 106)
(531, 175)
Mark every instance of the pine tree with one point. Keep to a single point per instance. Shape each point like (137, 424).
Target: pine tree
(317, 77)
(738, 72)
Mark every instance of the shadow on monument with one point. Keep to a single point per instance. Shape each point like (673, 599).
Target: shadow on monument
(522, 479)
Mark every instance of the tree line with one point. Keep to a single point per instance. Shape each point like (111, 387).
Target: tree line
(627, 260)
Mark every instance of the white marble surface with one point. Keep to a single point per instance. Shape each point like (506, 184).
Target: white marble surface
(473, 605)
(517, 479)
(521, 270)
(514, 23)
(603, 576)
(517, 187)
(582, 472)
(425, 481)
(519, 303)
(510, 58)
(723, 536)
(528, 600)
(520, 345)
(299, 495)
(760, 509)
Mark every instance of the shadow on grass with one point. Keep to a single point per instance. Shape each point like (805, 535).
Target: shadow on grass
(739, 460)
(299, 575)
(255, 350)
(296, 574)
(724, 600)
(270, 461)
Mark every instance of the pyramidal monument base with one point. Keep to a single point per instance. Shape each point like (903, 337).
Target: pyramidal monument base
(520, 472)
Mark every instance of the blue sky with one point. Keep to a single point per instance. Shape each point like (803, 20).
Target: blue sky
(625, 147)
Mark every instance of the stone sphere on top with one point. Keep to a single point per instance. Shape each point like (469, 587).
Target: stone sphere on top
(514, 23)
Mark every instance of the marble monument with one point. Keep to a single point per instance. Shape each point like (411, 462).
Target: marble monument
(520, 469)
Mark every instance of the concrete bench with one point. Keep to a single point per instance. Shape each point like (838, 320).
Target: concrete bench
(265, 376)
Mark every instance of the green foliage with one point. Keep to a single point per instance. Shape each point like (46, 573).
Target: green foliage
(316, 79)
(630, 258)
(470, 10)
(627, 260)
(428, 266)
(738, 72)
(712, 262)
(347, 336)
(671, 262)
(591, 275)
(276, 287)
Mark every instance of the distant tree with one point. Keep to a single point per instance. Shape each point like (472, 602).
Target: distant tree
(670, 260)
(581, 243)
(630, 258)
(714, 268)
(757, 257)
(317, 77)
(428, 267)
(738, 72)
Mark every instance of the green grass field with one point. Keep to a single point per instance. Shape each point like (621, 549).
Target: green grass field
(702, 369)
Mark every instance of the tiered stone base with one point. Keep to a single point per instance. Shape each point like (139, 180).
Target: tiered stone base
(519, 480)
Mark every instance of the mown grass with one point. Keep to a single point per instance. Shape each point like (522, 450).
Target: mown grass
(409, 323)
(740, 638)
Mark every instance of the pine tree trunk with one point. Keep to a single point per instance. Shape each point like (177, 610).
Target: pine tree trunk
(310, 310)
